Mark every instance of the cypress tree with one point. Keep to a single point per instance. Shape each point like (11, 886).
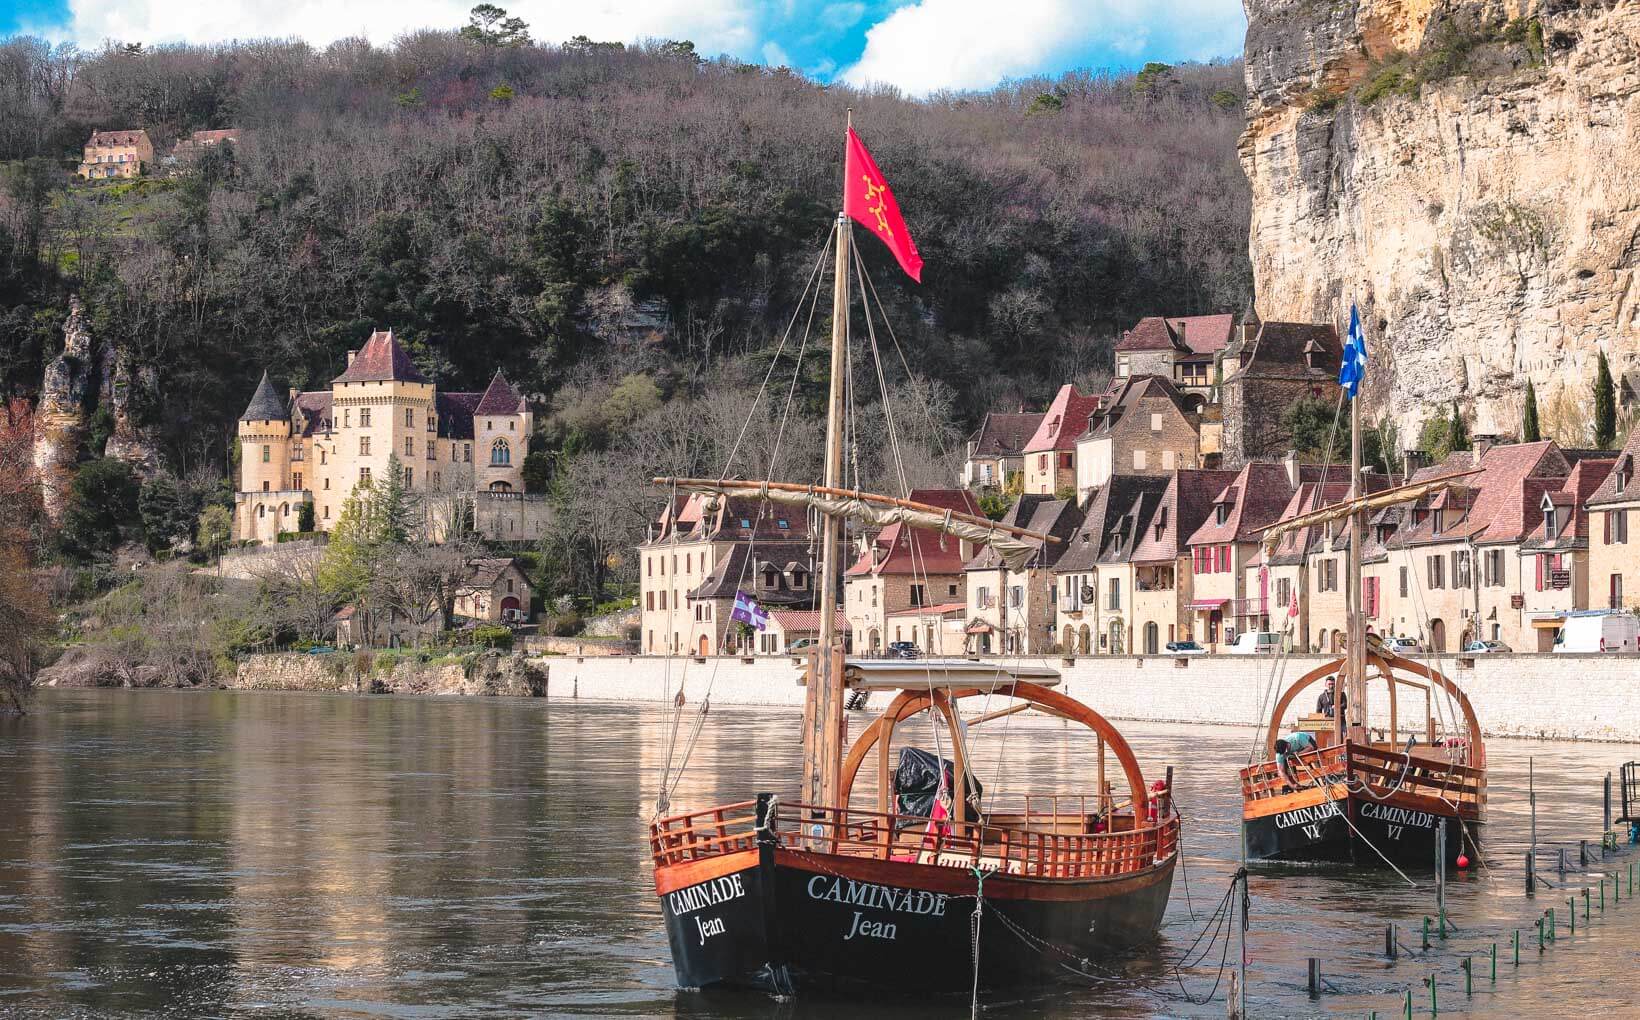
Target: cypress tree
(1457, 431)
(1530, 432)
(1605, 406)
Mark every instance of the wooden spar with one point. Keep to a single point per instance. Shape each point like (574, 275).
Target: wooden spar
(864, 497)
(1376, 499)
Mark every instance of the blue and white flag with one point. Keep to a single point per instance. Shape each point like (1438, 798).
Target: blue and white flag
(1353, 368)
(748, 611)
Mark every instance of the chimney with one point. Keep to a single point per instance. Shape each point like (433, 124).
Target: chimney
(294, 392)
(1481, 444)
(350, 356)
(1289, 463)
(1182, 341)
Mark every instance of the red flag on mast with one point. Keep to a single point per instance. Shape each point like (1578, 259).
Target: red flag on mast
(868, 201)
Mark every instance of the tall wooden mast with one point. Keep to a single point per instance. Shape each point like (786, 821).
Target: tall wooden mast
(1355, 685)
(823, 702)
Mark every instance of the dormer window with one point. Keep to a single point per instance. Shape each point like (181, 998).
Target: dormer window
(782, 524)
(1221, 513)
(1551, 524)
(746, 523)
(1435, 524)
(771, 579)
(1624, 468)
(799, 578)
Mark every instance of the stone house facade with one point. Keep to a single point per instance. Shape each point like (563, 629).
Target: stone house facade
(1014, 612)
(1614, 558)
(937, 630)
(1050, 454)
(314, 447)
(907, 568)
(1163, 582)
(996, 451)
(1145, 429)
(1271, 365)
(496, 591)
(1097, 581)
(116, 154)
(1184, 350)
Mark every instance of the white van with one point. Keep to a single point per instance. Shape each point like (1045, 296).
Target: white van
(1598, 630)
(1255, 642)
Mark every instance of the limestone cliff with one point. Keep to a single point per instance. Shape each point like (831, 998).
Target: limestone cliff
(1468, 171)
(60, 415)
(126, 386)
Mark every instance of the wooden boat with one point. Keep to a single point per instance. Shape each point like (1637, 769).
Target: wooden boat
(1354, 798)
(1367, 801)
(820, 893)
(784, 897)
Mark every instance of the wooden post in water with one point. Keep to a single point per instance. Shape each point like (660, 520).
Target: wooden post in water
(1607, 825)
(1315, 977)
(1440, 873)
(1389, 942)
(1531, 873)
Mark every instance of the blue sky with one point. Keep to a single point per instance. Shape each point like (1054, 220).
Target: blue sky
(920, 46)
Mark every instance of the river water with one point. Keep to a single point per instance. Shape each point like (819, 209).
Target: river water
(287, 855)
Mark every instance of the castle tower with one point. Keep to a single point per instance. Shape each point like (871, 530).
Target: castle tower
(264, 504)
(382, 406)
(502, 423)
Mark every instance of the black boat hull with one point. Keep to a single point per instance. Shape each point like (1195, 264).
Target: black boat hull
(801, 922)
(1323, 832)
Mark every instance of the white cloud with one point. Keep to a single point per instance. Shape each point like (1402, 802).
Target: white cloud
(715, 26)
(974, 44)
(838, 17)
(774, 56)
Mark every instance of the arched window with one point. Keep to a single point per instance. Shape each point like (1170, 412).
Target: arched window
(500, 453)
(500, 487)
(284, 509)
(261, 511)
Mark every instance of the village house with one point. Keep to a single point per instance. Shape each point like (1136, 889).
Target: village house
(905, 568)
(1184, 350)
(790, 631)
(457, 452)
(113, 154)
(1097, 581)
(1146, 428)
(996, 452)
(1303, 578)
(936, 630)
(189, 149)
(494, 591)
(1614, 561)
(1013, 612)
(1268, 367)
(1050, 453)
(701, 551)
(1228, 540)
(1162, 583)
(1556, 540)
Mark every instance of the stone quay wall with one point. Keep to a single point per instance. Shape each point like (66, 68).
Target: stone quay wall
(1572, 697)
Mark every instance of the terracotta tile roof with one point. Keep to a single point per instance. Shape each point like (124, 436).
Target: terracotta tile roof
(265, 404)
(1005, 434)
(804, 620)
(500, 398)
(1571, 500)
(1197, 334)
(380, 359)
(314, 406)
(117, 137)
(1186, 503)
(701, 518)
(216, 135)
(483, 572)
(1491, 506)
(1253, 502)
(1040, 513)
(900, 550)
(1064, 420)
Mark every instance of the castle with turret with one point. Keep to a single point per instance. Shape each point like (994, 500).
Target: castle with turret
(453, 449)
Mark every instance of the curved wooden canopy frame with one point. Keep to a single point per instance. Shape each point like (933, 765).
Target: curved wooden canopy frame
(911, 702)
(1387, 674)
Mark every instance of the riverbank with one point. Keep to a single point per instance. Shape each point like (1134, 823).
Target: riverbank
(1566, 697)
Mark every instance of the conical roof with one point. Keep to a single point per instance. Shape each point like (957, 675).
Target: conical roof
(499, 398)
(265, 404)
(381, 359)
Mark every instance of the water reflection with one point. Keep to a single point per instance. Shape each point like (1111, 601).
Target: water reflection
(169, 854)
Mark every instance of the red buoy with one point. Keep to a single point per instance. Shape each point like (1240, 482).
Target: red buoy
(1463, 861)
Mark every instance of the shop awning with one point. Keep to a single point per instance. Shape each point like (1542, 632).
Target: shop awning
(1548, 622)
(977, 627)
(1205, 605)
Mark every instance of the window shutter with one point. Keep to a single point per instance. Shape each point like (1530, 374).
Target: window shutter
(1608, 529)
(1539, 560)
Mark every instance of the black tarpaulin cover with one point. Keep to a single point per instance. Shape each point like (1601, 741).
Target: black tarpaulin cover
(917, 779)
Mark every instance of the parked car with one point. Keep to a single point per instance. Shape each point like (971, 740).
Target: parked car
(1598, 630)
(903, 650)
(1402, 645)
(1256, 642)
(1185, 648)
(801, 643)
(1486, 648)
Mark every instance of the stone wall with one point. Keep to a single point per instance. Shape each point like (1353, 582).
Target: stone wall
(1577, 697)
(492, 674)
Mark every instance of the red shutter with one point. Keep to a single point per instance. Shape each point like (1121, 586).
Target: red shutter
(1539, 561)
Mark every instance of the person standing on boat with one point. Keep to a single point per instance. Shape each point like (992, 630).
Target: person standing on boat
(1287, 749)
(1329, 700)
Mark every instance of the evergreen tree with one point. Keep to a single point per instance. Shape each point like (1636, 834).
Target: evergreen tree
(1457, 431)
(390, 507)
(102, 504)
(1605, 406)
(344, 572)
(168, 510)
(1530, 431)
(215, 530)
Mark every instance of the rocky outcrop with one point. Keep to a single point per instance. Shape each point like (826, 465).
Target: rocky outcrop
(60, 415)
(1468, 172)
(127, 389)
(490, 675)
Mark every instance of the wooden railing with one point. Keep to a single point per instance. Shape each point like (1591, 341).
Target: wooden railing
(1381, 771)
(1037, 849)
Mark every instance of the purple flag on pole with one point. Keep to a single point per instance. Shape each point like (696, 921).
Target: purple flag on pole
(747, 611)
